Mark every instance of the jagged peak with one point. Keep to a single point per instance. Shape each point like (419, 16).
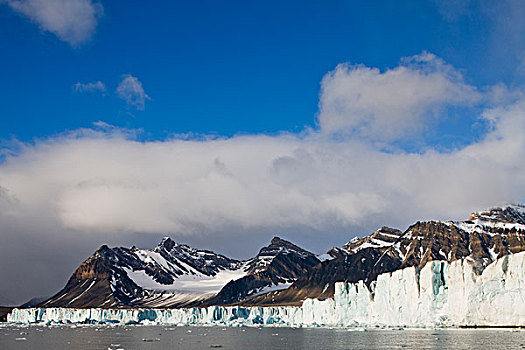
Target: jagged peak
(277, 240)
(509, 213)
(381, 232)
(103, 250)
(355, 239)
(278, 245)
(167, 243)
(381, 238)
(389, 230)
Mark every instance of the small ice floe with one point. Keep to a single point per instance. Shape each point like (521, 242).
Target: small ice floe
(20, 339)
(149, 340)
(357, 329)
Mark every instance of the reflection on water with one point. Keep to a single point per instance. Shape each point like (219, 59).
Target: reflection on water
(157, 337)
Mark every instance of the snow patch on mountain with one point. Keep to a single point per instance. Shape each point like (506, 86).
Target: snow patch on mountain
(197, 283)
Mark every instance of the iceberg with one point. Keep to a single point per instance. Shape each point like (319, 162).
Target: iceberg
(441, 294)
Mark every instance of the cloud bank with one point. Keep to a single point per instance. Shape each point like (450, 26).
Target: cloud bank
(73, 21)
(105, 180)
(109, 183)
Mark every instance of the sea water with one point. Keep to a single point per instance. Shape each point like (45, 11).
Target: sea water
(162, 337)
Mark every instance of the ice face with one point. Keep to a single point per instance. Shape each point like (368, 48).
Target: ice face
(214, 315)
(440, 294)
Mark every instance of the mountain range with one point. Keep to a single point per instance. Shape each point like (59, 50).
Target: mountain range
(177, 275)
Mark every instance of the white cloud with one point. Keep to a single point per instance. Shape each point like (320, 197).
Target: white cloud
(106, 182)
(103, 180)
(130, 90)
(389, 105)
(73, 21)
(96, 86)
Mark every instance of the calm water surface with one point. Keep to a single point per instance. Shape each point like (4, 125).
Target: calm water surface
(157, 337)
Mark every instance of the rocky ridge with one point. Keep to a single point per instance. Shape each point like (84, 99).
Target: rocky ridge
(176, 275)
(483, 238)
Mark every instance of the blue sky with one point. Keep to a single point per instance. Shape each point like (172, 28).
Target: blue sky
(224, 123)
(224, 67)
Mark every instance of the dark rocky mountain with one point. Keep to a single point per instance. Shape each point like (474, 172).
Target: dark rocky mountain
(136, 277)
(176, 275)
(276, 267)
(33, 302)
(483, 238)
(506, 214)
(359, 259)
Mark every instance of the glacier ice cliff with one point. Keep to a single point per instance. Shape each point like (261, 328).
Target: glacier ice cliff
(440, 294)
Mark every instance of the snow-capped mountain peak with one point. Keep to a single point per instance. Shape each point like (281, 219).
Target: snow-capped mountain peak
(275, 267)
(267, 254)
(203, 261)
(382, 238)
(509, 213)
(174, 274)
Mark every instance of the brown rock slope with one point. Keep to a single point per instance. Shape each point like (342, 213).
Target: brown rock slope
(482, 239)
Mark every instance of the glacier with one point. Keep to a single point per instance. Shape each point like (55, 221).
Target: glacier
(441, 294)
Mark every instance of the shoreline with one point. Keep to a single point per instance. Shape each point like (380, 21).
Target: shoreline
(356, 328)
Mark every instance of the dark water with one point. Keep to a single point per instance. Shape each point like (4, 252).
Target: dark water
(128, 338)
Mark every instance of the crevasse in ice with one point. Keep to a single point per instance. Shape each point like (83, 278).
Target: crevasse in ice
(440, 294)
